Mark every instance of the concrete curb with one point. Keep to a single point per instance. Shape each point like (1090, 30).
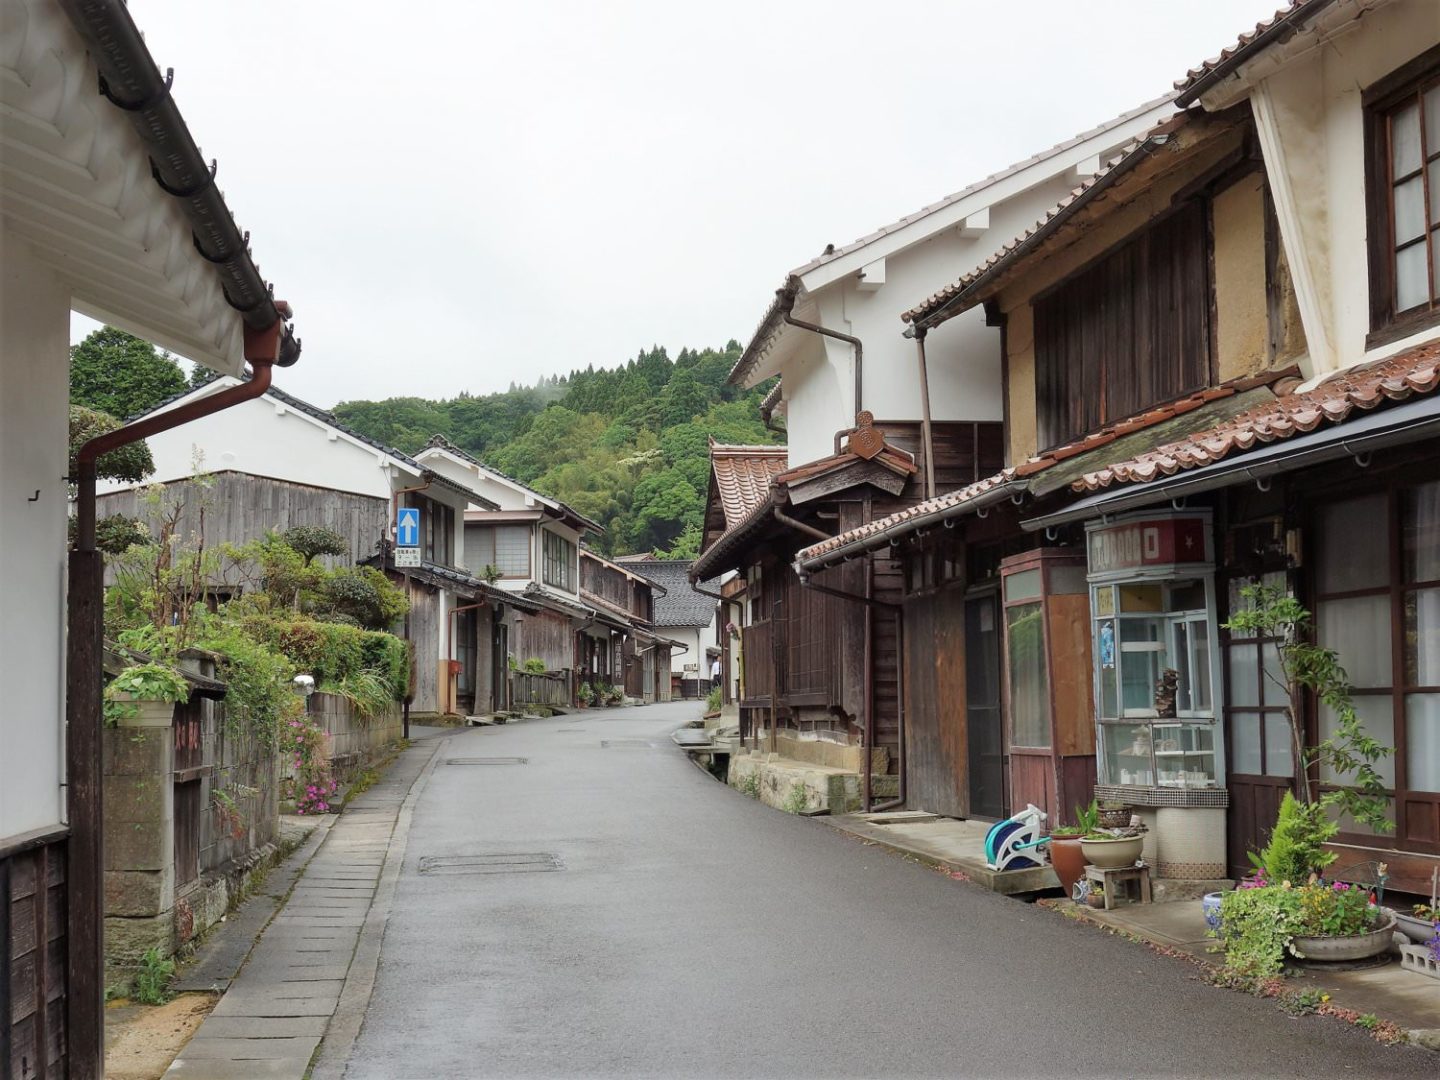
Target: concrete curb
(1426, 1038)
(333, 1056)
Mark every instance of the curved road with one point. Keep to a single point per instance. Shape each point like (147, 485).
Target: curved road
(693, 932)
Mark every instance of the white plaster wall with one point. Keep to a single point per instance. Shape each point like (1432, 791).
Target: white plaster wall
(34, 399)
(1320, 126)
(267, 438)
(506, 496)
(962, 355)
(698, 638)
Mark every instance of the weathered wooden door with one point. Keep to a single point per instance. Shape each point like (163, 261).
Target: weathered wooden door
(983, 717)
(937, 759)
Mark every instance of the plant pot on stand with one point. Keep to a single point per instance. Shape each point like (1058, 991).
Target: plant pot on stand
(1112, 852)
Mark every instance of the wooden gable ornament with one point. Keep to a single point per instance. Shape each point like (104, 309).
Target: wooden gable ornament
(866, 440)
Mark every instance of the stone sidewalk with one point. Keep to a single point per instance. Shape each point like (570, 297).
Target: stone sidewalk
(275, 1012)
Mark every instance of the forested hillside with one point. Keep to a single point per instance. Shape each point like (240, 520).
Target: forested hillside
(625, 446)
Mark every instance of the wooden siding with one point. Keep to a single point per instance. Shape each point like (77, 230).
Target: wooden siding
(1130, 330)
(425, 630)
(239, 508)
(33, 943)
(937, 749)
(546, 636)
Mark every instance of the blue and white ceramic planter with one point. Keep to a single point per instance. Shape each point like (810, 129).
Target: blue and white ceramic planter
(1210, 904)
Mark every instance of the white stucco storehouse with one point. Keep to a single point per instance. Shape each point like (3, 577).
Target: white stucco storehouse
(84, 226)
(862, 288)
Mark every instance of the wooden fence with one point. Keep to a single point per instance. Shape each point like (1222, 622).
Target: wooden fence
(549, 688)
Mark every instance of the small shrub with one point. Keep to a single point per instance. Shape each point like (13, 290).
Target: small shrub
(534, 666)
(712, 700)
(152, 978)
(1296, 847)
(313, 540)
(750, 785)
(798, 801)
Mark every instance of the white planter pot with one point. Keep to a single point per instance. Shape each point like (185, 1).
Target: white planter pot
(1418, 930)
(148, 713)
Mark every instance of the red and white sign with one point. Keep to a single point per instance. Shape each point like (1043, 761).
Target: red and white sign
(1135, 545)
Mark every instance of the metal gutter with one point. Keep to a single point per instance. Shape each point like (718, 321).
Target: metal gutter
(892, 534)
(132, 82)
(1345, 440)
(1283, 27)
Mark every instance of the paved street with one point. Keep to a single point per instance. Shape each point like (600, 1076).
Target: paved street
(690, 931)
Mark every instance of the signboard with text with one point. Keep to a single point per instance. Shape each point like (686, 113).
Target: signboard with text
(407, 536)
(1147, 543)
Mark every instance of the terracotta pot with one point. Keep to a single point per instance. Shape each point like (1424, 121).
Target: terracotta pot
(1355, 947)
(1110, 854)
(1068, 861)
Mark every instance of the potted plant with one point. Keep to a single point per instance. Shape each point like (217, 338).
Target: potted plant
(1096, 896)
(1112, 848)
(585, 695)
(1421, 924)
(1113, 815)
(1337, 921)
(145, 695)
(1065, 854)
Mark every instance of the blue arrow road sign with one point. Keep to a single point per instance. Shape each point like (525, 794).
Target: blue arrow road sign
(407, 527)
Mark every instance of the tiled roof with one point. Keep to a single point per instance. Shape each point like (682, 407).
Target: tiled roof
(614, 611)
(681, 605)
(1284, 378)
(1026, 471)
(743, 474)
(832, 252)
(440, 442)
(1412, 371)
(1130, 156)
(1278, 27)
(918, 514)
(772, 318)
(898, 461)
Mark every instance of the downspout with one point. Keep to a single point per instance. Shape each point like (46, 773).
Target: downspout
(850, 339)
(927, 437)
(808, 530)
(870, 602)
(85, 688)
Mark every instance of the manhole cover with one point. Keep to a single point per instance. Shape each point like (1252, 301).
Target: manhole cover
(629, 744)
(533, 862)
(569, 730)
(487, 761)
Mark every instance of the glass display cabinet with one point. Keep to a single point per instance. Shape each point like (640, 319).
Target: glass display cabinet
(1152, 603)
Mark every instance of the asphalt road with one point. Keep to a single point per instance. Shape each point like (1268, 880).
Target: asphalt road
(693, 932)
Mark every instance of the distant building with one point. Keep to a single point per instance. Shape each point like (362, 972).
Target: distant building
(687, 615)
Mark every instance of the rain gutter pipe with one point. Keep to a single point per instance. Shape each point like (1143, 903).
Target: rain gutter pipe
(815, 328)
(866, 784)
(84, 697)
(927, 436)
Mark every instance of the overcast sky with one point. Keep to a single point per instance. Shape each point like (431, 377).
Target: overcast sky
(458, 195)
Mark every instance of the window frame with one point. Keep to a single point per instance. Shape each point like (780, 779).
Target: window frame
(557, 567)
(1404, 797)
(1379, 102)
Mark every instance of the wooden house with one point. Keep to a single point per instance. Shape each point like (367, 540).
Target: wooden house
(276, 462)
(1221, 356)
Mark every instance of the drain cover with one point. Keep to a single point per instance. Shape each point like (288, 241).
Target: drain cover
(568, 730)
(487, 761)
(533, 862)
(629, 744)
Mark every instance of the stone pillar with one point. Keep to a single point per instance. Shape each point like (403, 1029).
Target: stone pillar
(139, 846)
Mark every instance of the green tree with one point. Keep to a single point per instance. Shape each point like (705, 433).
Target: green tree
(130, 463)
(120, 374)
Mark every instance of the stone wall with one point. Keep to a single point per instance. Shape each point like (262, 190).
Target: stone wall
(191, 807)
(355, 741)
